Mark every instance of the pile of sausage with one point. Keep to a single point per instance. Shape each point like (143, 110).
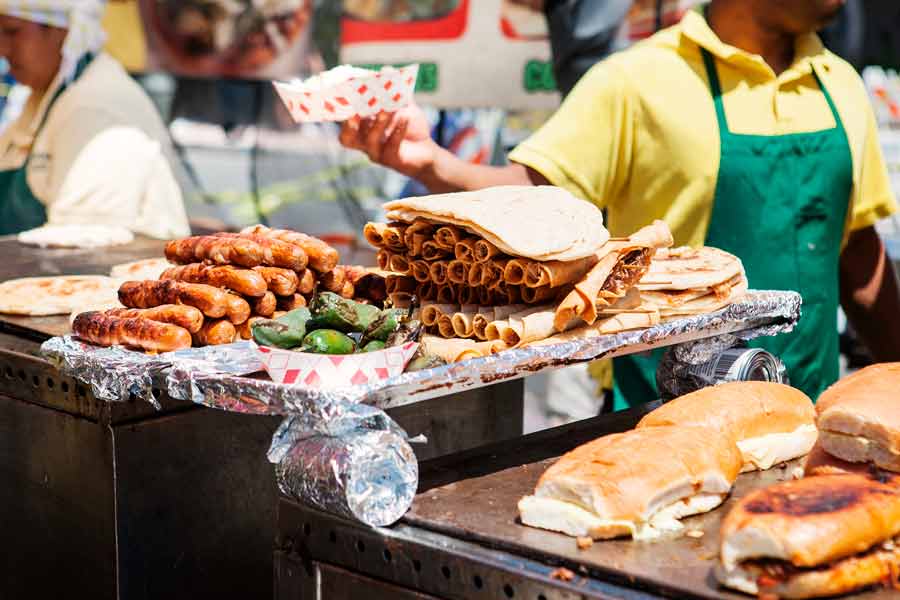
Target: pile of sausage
(219, 285)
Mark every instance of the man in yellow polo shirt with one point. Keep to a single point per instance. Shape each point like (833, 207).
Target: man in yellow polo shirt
(739, 130)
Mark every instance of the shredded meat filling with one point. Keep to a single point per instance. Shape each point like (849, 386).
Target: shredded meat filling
(625, 275)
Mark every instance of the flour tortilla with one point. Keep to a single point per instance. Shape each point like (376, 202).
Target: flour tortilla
(44, 296)
(140, 270)
(537, 222)
(76, 236)
(707, 303)
(605, 326)
(688, 268)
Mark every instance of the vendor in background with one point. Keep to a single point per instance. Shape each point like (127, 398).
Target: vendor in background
(739, 130)
(89, 146)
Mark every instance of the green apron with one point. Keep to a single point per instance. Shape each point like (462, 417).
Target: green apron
(20, 209)
(781, 206)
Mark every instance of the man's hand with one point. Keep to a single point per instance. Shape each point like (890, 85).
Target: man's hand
(869, 294)
(400, 140)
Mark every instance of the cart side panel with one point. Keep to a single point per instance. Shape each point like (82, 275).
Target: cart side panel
(56, 503)
(196, 512)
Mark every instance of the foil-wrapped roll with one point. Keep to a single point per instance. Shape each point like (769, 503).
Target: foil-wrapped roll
(368, 472)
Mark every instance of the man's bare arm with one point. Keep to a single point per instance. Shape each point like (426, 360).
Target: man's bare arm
(869, 294)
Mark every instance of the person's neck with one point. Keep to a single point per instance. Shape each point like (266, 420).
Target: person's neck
(738, 25)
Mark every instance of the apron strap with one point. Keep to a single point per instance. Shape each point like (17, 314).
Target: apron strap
(716, 88)
(834, 111)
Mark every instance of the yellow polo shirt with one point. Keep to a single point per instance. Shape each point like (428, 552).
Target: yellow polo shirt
(638, 134)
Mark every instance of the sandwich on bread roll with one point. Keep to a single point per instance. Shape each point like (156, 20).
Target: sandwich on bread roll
(814, 537)
(637, 483)
(771, 423)
(859, 417)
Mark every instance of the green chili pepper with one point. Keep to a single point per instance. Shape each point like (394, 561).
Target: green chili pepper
(373, 346)
(328, 341)
(386, 323)
(330, 311)
(287, 331)
(428, 361)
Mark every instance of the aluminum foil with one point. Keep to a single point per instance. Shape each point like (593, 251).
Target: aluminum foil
(758, 314)
(116, 374)
(363, 468)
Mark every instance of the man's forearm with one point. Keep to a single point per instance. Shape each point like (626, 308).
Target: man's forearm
(449, 173)
(869, 294)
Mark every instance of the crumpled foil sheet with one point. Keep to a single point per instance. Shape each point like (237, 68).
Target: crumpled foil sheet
(214, 376)
(116, 374)
(363, 468)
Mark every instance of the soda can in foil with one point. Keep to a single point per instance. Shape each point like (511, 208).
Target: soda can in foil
(733, 364)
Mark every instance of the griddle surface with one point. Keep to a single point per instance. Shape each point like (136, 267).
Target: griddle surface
(483, 510)
(20, 260)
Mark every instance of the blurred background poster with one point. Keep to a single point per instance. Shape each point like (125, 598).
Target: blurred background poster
(244, 39)
(494, 55)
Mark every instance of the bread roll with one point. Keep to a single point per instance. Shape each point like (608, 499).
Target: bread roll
(812, 537)
(859, 417)
(771, 423)
(637, 483)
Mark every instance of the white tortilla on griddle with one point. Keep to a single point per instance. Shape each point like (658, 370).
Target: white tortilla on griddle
(538, 222)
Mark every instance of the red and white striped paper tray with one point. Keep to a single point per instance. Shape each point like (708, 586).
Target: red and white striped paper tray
(387, 90)
(335, 371)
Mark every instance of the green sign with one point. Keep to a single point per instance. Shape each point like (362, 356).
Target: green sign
(538, 77)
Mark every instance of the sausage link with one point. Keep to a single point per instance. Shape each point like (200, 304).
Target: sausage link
(214, 249)
(265, 306)
(276, 253)
(187, 317)
(237, 310)
(282, 282)
(242, 281)
(211, 301)
(333, 280)
(215, 333)
(322, 257)
(289, 303)
(152, 336)
(245, 329)
(307, 282)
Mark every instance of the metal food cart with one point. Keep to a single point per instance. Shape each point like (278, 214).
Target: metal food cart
(132, 502)
(120, 500)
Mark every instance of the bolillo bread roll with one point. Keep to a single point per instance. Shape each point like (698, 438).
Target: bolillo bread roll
(772, 423)
(859, 418)
(813, 537)
(637, 483)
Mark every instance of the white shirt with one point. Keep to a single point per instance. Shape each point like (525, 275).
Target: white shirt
(101, 158)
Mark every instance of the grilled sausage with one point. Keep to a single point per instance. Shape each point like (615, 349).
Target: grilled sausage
(242, 281)
(211, 301)
(282, 282)
(276, 253)
(175, 314)
(333, 280)
(322, 257)
(289, 303)
(245, 329)
(215, 333)
(307, 282)
(237, 310)
(264, 306)
(217, 250)
(108, 330)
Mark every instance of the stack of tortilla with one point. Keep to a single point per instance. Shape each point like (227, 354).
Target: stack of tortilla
(690, 281)
(509, 266)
